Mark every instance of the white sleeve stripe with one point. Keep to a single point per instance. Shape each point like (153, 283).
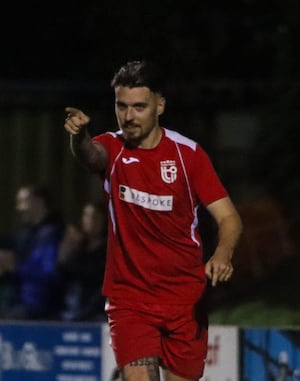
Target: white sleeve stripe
(108, 190)
(194, 210)
(178, 138)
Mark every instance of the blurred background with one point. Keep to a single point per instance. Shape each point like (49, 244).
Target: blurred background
(233, 74)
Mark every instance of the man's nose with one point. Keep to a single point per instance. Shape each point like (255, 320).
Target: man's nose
(129, 114)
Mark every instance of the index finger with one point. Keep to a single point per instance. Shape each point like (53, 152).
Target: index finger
(215, 277)
(208, 270)
(73, 111)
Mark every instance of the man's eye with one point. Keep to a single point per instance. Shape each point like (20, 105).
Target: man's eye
(139, 108)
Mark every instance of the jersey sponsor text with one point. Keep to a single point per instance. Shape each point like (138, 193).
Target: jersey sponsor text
(145, 200)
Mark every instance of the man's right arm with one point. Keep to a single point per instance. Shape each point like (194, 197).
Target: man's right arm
(90, 154)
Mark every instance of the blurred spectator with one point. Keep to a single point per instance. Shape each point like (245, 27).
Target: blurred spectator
(31, 260)
(81, 261)
(264, 255)
(265, 243)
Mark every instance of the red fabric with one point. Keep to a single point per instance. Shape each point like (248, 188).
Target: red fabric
(151, 330)
(154, 247)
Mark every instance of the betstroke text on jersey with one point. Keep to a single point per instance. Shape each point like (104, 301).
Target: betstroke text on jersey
(145, 200)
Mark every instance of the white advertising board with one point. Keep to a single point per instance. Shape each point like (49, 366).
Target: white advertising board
(108, 361)
(222, 363)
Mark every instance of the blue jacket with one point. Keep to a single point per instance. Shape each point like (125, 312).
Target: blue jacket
(36, 274)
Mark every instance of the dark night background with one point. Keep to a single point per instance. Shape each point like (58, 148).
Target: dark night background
(88, 40)
(233, 73)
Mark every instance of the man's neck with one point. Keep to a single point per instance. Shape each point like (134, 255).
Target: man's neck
(152, 140)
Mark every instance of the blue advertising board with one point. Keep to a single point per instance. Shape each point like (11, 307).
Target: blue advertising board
(50, 352)
(81, 352)
(270, 354)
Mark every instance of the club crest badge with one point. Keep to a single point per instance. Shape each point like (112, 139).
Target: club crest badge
(168, 171)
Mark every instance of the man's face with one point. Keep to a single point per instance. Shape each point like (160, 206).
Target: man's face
(92, 220)
(137, 110)
(25, 205)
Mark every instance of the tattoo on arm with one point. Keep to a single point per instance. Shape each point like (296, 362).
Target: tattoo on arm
(91, 155)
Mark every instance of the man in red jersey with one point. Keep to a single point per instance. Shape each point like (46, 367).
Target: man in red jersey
(155, 179)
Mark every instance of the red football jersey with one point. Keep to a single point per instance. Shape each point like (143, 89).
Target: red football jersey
(154, 247)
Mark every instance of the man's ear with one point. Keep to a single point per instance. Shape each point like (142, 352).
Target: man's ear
(161, 103)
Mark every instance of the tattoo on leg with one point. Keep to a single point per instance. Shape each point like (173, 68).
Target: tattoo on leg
(145, 361)
(152, 367)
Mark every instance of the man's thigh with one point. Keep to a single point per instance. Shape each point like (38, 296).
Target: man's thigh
(184, 345)
(133, 336)
(142, 335)
(147, 369)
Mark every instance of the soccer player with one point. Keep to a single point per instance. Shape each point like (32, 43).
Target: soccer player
(154, 180)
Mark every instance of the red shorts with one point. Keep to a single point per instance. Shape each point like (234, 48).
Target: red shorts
(170, 332)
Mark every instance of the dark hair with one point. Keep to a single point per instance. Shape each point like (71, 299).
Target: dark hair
(139, 74)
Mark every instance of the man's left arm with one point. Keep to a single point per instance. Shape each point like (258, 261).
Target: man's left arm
(219, 267)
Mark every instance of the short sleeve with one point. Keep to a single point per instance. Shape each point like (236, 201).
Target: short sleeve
(206, 181)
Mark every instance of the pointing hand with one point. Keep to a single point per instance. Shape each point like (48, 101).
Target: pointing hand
(75, 120)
